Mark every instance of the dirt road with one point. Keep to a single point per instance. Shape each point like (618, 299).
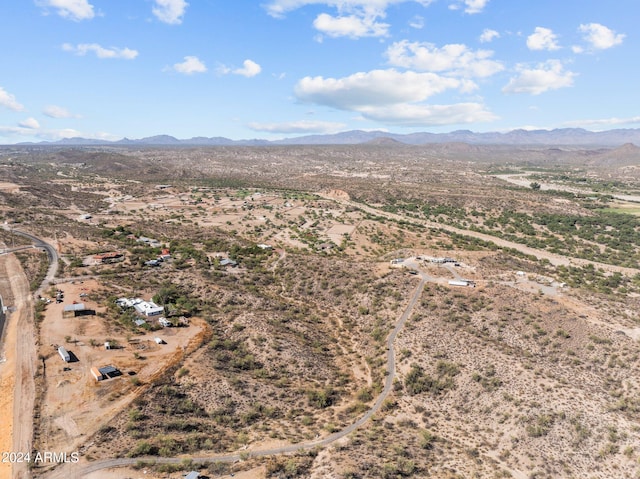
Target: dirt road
(520, 179)
(19, 369)
(75, 470)
(554, 259)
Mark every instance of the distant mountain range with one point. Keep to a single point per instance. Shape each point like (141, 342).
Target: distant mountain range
(557, 137)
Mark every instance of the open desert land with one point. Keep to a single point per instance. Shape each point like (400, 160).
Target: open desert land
(370, 311)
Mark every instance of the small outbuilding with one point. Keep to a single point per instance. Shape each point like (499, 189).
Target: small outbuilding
(64, 354)
(110, 257)
(105, 372)
(74, 310)
(192, 475)
(462, 282)
(97, 374)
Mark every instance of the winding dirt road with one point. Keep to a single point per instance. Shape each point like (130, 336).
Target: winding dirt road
(74, 470)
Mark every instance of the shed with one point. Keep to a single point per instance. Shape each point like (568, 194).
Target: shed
(106, 372)
(159, 340)
(64, 354)
(97, 374)
(73, 310)
(110, 257)
(193, 475)
(463, 282)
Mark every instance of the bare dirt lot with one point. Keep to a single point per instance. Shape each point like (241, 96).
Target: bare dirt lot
(74, 404)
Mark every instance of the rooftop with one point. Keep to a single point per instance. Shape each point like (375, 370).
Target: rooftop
(74, 307)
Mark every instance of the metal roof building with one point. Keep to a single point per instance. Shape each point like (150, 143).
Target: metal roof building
(76, 309)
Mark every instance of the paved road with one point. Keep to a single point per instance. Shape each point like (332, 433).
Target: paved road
(52, 255)
(73, 470)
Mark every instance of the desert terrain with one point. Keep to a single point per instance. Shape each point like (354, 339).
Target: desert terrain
(356, 311)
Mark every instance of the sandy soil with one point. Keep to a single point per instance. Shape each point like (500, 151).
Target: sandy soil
(9, 187)
(17, 373)
(119, 473)
(74, 404)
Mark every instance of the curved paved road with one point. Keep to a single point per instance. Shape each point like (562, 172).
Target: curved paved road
(72, 470)
(52, 255)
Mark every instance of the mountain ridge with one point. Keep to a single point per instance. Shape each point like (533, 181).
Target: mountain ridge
(517, 137)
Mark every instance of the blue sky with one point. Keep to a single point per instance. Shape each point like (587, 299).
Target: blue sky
(279, 68)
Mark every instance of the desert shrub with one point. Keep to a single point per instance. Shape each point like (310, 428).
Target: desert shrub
(322, 398)
(417, 381)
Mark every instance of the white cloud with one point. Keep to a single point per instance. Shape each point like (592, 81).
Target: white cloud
(607, 122)
(249, 69)
(170, 11)
(54, 111)
(278, 8)
(470, 6)
(377, 87)
(29, 133)
(100, 51)
(392, 97)
(190, 65)
(488, 35)
(355, 19)
(303, 126)
(601, 37)
(72, 9)
(429, 115)
(30, 123)
(417, 22)
(550, 75)
(542, 39)
(351, 26)
(9, 101)
(456, 59)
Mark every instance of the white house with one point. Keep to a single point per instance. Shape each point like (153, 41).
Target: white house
(148, 308)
